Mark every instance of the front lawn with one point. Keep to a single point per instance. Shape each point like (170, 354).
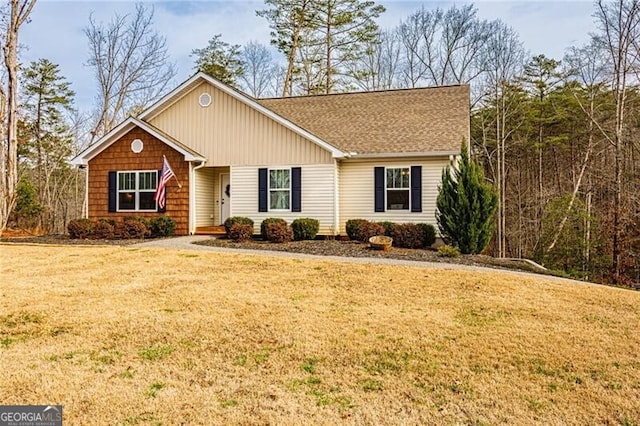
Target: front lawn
(122, 335)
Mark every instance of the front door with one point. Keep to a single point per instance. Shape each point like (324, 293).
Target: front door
(225, 198)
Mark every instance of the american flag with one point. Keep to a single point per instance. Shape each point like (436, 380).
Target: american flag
(166, 173)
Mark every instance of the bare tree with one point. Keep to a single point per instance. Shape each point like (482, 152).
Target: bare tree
(619, 24)
(448, 44)
(259, 69)
(379, 67)
(131, 65)
(587, 66)
(19, 11)
(503, 61)
(418, 27)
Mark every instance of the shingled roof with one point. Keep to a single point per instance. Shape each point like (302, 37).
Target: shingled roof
(422, 120)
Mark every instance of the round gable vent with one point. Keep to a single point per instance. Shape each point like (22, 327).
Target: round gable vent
(204, 100)
(137, 146)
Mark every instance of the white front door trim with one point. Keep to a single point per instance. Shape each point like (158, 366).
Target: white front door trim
(225, 196)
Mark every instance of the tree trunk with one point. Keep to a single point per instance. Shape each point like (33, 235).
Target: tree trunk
(20, 10)
(328, 48)
(3, 163)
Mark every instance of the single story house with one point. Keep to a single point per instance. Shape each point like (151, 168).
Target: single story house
(371, 155)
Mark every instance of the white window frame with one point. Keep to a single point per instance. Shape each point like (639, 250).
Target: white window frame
(387, 189)
(136, 191)
(269, 189)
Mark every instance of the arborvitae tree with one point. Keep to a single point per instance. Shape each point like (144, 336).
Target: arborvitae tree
(466, 204)
(220, 60)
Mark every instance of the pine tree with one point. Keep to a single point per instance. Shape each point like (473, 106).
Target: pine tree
(466, 204)
(321, 39)
(220, 60)
(46, 143)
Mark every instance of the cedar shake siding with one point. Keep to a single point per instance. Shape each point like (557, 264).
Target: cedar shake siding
(119, 157)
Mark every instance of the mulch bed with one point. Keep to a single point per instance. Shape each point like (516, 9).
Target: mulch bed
(358, 249)
(65, 240)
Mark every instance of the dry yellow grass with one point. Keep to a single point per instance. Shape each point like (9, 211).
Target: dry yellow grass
(147, 336)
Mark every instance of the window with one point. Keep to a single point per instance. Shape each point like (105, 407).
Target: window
(398, 187)
(280, 189)
(136, 191)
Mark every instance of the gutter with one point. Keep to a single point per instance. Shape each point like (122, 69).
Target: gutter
(355, 156)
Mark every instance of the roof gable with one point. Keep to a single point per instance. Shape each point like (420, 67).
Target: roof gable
(193, 82)
(123, 128)
(410, 121)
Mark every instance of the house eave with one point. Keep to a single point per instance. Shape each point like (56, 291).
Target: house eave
(396, 155)
(116, 133)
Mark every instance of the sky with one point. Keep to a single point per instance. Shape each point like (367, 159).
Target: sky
(55, 30)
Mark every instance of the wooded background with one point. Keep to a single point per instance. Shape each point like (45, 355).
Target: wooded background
(559, 138)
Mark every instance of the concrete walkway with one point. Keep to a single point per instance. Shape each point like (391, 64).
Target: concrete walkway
(186, 243)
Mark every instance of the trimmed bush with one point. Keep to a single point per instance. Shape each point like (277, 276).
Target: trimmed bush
(263, 225)
(305, 228)
(407, 235)
(448, 251)
(240, 232)
(103, 229)
(368, 229)
(236, 219)
(80, 228)
(278, 232)
(352, 227)
(429, 232)
(143, 220)
(162, 226)
(387, 227)
(131, 229)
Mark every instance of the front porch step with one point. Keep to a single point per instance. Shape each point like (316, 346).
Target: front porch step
(210, 230)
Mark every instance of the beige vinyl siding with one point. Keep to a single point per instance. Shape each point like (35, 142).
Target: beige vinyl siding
(357, 186)
(317, 195)
(230, 132)
(205, 206)
(208, 195)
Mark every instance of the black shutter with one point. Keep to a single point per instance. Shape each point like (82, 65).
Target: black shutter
(378, 173)
(166, 192)
(262, 190)
(113, 191)
(296, 189)
(416, 189)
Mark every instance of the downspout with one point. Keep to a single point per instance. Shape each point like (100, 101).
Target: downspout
(336, 198)
(192, 196)
(85, 206)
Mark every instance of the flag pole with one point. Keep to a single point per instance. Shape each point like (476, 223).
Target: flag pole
(174, 174)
